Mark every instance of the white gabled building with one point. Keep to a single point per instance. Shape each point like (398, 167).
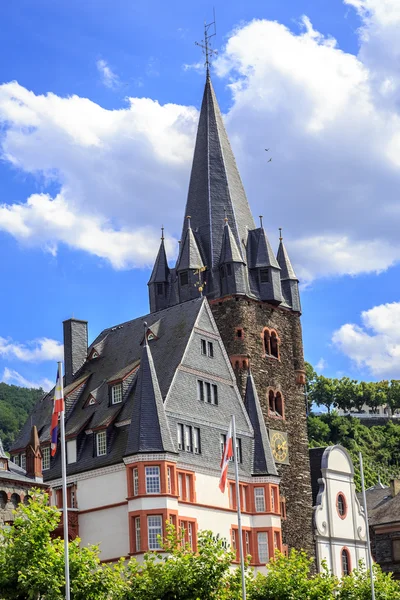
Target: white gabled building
(339, 520)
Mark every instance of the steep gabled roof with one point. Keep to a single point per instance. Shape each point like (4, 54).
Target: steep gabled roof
(260, 253)
(287, 271)
(160, 271)
(148, 431)
(230, 251)
(215, 187)
(263, 462)
(189, 256)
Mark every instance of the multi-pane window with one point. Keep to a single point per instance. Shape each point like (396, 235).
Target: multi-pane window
(273, 499)
(16, 459)
(190, 535)
(345, 562)
(262, 541)
(23, 460)
(101, 443)
(135, 481)
(169, 480)
(186, 487)
(247, 542)
(259, 499)
(180, 486)
(153, 485)
(72, 496)
(238, 448)
(46, 458)
(137, 534)
(189, 438)
(116, 393)
(203, 347)
(154, 525)
(207, 392)
(234, 543)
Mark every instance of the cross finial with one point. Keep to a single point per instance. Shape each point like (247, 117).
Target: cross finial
(280, 234)
(206, 44)
(162, 232)
(261, 222)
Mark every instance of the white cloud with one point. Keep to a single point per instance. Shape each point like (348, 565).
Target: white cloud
(331, 119)
(321, 365)
(108, 77)
(13, 377)
(376, 343)
(39, 350)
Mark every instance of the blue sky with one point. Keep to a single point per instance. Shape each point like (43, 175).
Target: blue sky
(98, 109)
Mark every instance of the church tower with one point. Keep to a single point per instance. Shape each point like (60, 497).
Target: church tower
(255, 301)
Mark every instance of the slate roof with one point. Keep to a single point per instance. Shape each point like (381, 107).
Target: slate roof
(287, 271)
(122, 350)
(263, 462)
(189, 255)
(160, 273)
(149, 430)
(230, 251)
(382, 507)
(215, 185)
(259, 251)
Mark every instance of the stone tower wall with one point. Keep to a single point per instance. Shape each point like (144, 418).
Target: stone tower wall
(285, 374)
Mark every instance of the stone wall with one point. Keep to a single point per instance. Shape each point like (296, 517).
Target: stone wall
(10, 496)
(287, 376)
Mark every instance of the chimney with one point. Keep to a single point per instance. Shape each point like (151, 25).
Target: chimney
(75, 347)
(394, 487)
(34, 457)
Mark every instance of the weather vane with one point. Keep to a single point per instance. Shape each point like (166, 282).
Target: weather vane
(206, 44)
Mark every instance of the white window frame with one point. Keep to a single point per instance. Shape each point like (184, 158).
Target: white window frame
(73, 497)
(135, 475)
(23, 461)
(15, 459)
(180, 485)
(138, 541)
(180, 436)
(45, 458)
(196, 440)
(259, 499)
(188, 438)
(71, 451)
(190, 535)
(154, 529)
(116, 393)
(153, 481)
(169, 480)
(101, 443)
(262, 545)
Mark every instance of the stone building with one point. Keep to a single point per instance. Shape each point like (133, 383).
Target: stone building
(340, 528)
(147, 409)
(16, 481)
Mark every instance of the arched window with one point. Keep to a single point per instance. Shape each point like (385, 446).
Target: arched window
(279, 404)
(267, 344)
(346, 566)
(26, 499)
(15, 500)
(341, 505)
(244, 364)
(271, 402)
(3, 500)
(274, 345)
(237, 364)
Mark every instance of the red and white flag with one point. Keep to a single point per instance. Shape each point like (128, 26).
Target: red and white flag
(58, 407)
(227, 455)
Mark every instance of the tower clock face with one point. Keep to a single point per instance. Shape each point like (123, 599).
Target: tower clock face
(279, 446)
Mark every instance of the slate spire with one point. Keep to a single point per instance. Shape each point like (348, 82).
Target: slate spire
(289, 281)
(149, 430)
(159, 282)
(215, 185)
(232, 266)
(263, 462)
(189, 255)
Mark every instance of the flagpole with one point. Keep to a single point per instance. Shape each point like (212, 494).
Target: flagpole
(239, 516)
(369, 556)
(64, 487)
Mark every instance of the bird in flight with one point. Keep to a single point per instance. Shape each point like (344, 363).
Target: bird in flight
(266, 149)
(269, 160)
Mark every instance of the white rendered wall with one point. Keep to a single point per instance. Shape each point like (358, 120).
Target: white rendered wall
(100, 490)
(107, 528)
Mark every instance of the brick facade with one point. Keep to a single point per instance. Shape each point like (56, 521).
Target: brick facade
(284, 374)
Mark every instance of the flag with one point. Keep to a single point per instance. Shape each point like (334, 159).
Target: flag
(226, 456)
(58, 407)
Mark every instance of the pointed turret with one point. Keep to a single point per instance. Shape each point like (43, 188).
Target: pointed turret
(264, 270)
(159, 280)
(263, 462)
(215, 185)
(149, 431)
(289, 281)
(34, 456)
(231, 265)
(189, 261)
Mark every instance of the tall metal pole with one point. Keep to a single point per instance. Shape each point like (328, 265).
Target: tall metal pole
(64, 488)
(366, 518)
(239, 515)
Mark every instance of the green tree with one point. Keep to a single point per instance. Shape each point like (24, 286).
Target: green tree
(345, 393)
(322, 391)
(32, 563)
(357, 586)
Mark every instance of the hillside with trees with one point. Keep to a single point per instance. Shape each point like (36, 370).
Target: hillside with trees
(380, 444)
(15, 405)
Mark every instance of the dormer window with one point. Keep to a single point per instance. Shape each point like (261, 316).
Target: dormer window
(160, 289)
(95, 354)
(184, 278)
(46, 458)
(101, 443)
(150, 336)
(91, 401)
(264, 275)
(116, 393)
